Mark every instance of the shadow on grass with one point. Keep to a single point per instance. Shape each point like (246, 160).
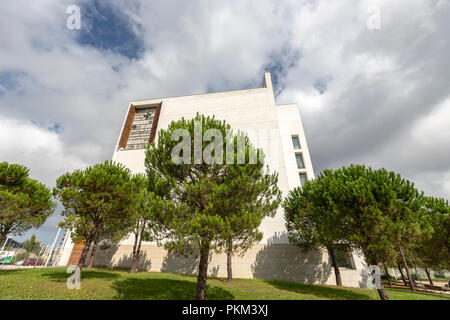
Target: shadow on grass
(319, 291)
(85, 274)
(164, 289)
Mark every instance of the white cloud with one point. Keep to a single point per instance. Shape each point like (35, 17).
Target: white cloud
(385, 103)
(434, 128)
(37, 148)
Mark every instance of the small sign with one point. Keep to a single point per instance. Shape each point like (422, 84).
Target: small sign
(6, 260)
(6, 256)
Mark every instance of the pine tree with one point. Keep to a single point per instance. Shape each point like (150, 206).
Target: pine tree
(98, 203)
(24, 203)
(200, 192)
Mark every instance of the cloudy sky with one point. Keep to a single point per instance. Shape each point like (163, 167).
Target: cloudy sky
(372, 78)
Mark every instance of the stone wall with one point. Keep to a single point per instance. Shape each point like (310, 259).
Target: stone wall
(279, 261)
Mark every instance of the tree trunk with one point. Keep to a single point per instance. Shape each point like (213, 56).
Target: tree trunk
(408, 274)
(229, 261)
(137, 246)
(2, 240)
(382, 292)
(94, 252)
(429, 276)
(202, 273)
(135, 254)
(4, 234)
(84, 253)
(134, 263)
(387, 274)
(337, 273)
(380, 287)
(401, 273)
(229, 268)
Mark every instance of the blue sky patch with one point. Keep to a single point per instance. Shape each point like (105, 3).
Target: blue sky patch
(52, 127)
(55, 127)
(105, 27)
(320, 86)
(279, 65)
(10, 80)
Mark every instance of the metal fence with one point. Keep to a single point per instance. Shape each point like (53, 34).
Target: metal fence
(15, 254)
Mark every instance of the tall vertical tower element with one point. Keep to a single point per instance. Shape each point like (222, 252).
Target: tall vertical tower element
(278, 130)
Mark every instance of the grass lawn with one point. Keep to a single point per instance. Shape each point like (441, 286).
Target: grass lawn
(50, 283)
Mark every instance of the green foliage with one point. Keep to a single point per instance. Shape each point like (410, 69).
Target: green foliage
(31, 244)
(146, 223)
(146, 211)
(312, 216)
(246, 196)
(24, 203)
(204, 204)
(209, 205)
(20, 257)
(379, 209)
(433, 247)
(385, 277)
(313, 219)
(371, 210)
(98, 202)
(375, 211)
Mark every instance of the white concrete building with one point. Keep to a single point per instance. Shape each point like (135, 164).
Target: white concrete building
(278, 130)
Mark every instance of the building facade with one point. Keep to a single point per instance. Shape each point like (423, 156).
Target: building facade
(278, 130)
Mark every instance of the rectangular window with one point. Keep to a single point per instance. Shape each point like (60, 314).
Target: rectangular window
(299, 158)
(296, 142)
(343, 257)
(303, 178)
(141, 128)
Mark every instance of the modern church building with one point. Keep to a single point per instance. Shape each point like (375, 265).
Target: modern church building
(278, 130)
